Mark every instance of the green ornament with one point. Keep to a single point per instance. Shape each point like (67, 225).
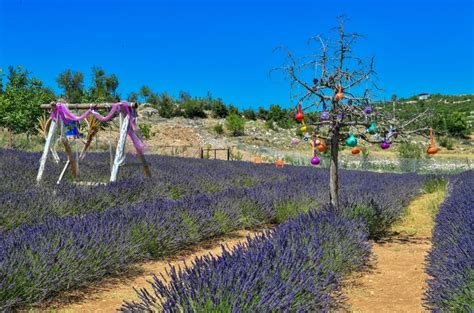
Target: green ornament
(351, 141)
(372, 128)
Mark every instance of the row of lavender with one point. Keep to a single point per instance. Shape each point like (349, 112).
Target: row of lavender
(451, 259)
(295, 268)
(40, 260)
(22, 201)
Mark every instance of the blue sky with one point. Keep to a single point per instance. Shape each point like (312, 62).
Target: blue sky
(226, 47)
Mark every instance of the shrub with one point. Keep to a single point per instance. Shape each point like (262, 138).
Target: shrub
(56, 238)
(295, 267)
(145, 129)
(456, 124)
(451, 259)
(218, 108)
(250, 114)
(235, 124)
(219, 129)
(446, 142)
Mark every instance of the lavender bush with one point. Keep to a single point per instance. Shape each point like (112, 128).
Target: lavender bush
(296, 267)
(61, 238)
(451, 259)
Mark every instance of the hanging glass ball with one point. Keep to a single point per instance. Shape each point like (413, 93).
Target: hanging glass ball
(315, 160)
(372, 128)
(351, 141)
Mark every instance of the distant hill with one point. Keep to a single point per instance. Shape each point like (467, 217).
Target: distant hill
(442, 106)
(443, 103)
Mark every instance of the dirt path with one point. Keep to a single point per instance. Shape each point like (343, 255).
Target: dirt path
(396, 281)
(109, 294)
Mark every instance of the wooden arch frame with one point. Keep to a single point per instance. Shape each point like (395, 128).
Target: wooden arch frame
(72, 162)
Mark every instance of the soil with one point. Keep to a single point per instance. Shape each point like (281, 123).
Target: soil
(396, 278)
(109, 294)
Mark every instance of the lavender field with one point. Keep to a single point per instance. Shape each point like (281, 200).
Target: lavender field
(59, 238)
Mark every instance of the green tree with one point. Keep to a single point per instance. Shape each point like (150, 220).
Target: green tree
(250, 114)
(218, 108)
(262, 113)
(235, 124)
(154, 99)
(20, 102)
(233, 109)
(73, 85)
(456, 124)
(145, 92)
(111, 85)
(98, 89)
(192, 108)
(166, 107)
(132, 97)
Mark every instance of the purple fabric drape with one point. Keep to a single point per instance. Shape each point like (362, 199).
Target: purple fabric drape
(61, 111)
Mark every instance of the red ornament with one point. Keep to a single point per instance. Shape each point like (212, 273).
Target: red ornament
(355, 150)
(299, 116)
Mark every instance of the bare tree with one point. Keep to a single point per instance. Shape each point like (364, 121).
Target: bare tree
(340, 91)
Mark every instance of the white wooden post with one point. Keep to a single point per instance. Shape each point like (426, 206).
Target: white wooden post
(47, 147)
(119, 153)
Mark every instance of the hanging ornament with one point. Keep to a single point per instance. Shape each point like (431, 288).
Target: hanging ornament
(322, 147)
(339, 95)
(355, 150)
(325, 115)
(303, 128)
(299, 115)
(72, 130)
(390, 132)
(315, 160)
(432, 149)
(385, 144)
(372, 128)
(351, 141)
(368, 109)
(295, 141)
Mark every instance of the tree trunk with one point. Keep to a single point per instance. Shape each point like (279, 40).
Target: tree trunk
(333, 176)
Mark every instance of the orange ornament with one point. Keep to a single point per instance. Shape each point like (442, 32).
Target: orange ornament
(339, 95)
(279, 163)
(432, 150)
(322, 147)
(355, 150)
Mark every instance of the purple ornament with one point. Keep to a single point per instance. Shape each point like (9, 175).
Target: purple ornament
(384, 145)
(315, 160)
(295, 141)
(325, 115)
(368, 109)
